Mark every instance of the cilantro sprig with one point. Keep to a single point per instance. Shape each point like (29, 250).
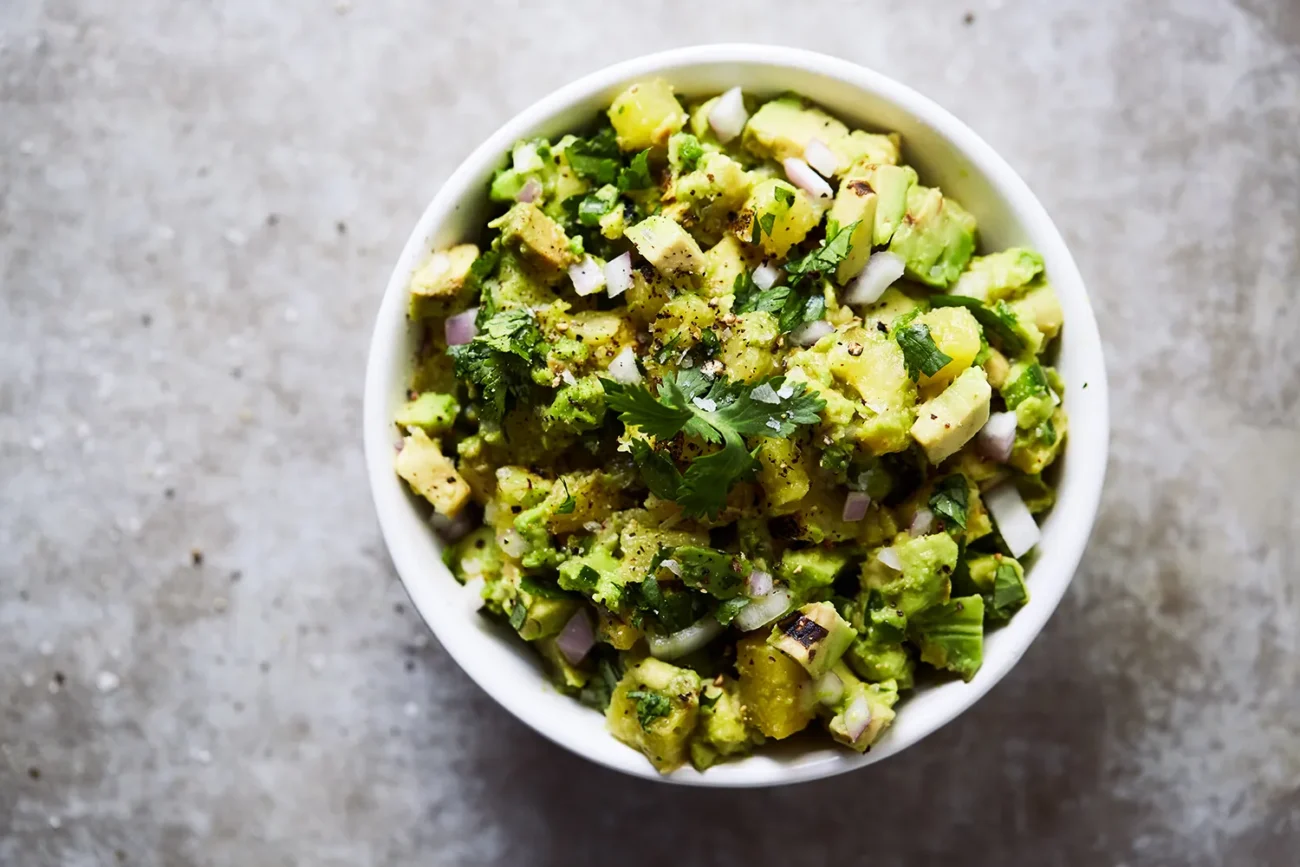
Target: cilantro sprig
(950, 500)
(920, 353)
(717, 411)
(500, 360)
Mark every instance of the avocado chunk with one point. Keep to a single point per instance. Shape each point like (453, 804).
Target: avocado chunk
(667, 246)
(474, 556)
(1035, 449)
(436, 286)
(430, 474)
(723, 263)
(783, 127)
(879, 653)
(578, 407)
(951, 635)
(925, 579)
(855, 205)
(772, 688)
(646, 115)
(545, 613)
(432, 412)
(947, 422)
(858, 148)
(815, 636)
(864, 709)
(999, 275)
(891, 185)
(595, 574)
(1028, 394)
(935, 239)
(721, 731)
(538, 237)
(715, 191)
(654, 709)
(1001, 581)
(777, 215)
(808, 570)
(1040, 307)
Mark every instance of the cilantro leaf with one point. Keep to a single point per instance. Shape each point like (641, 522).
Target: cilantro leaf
(749, 298)
(1031, 383)
(650, 706)
(568, 504)
(518, 614)
(998, 322)
(599, 689)
(596, 205)
(499, 361)
(801, 307)
(596, 158)
(756, 233)
(728, 610)
(657, 471)
(708, 479)
(1009, 593)
(919, 350)
(715, 572)
(669, 349)
(749, 417)
(950, 499)
(766, 222)
(635, 406)
(637, 174)
(689, 151)
(827, 256)
(784, 196)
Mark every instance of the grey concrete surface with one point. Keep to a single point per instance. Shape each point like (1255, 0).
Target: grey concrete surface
(199, 205)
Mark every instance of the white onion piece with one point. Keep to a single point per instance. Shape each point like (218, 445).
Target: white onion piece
(451, 529)
(687, 640)
(473, 590)
(1014, 522)
(618, 275)
(623, 368)
(828, 688)
(728, 115)
(576, 638)
(889, 556)
(810, 332)
(803, 177)
(460, 329)
(587, 277)
(922, 522)
(525, 158)
(765, 276)
(857, 716)
(763, 611)
(513, 544)
(530, 191)
(820, 157)
(882, 270)
(672, 566)
(764, 394)
(855, 506)
(758, 584)
(996, 439)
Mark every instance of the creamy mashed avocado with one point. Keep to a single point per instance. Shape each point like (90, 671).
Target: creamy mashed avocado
(725, 416)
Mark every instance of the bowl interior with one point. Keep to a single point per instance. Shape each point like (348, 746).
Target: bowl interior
(946, 154)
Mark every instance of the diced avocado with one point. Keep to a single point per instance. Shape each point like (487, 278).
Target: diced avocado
(430, 474)
(1027, 393)
(815, 636)
(436, 286)
(925, 579)
(715, 191)
(879, 659)
(877, 698)
(595, 574)
(565, 675)
(579, 407)
(891, 184)
(721, 730)
(1036, 493)
(645, 115)
(723, 263)
(947, 422)
(718, 573)
(1001, 581)
(516, 285)
(1040, 307)
(474, 556)
(777, 215)
(996, 367)
(958, 335)
(855, 203)
(667, 246)
(865, 148)
(873, 366)
(808, 570)
(893, 304)
(783, 127)
(613, 223)
(772, 687)
(538, 237)
(640, 542)
(432, 412)
(654, 709)
(951, 635)
(749, 350)
(1036, 448)
(935, 239)
(999, 275)
(684, 152)
(782, 473)
(544, 616)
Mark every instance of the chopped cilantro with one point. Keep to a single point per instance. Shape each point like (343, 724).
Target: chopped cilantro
(568, 504)
(1045, 433)
(599, 689)
(827, 256)
(710, 343)
(637, 174)
(597, 158)
(728, 610)
(650, 706)
(784, 196)
(715, 572)
(689, 151)
(767, 221)
(596, 205)
(1009, 593)
(518, 613)
(749, 298)
(919, 350)
(1031, 383)
(500, 360)
(545, 589)
(950, 499)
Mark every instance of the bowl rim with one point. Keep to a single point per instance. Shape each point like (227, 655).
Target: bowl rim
(377, 424)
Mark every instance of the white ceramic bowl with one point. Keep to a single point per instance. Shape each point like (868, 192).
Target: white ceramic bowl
(947, 154)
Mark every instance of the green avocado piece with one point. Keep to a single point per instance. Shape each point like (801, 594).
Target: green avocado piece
(432, 412)
(951, 635)
(879, 654)
(935, 239)
(544, 616)
(783, 127)
(595, 574)
(891, 185)
(667, 246)
(578, 407)
(855, 205)
(879, 698)
(807, 570)
(538, 237)
(925, 579)
(654, 709)
(1027, 393)
(815, 636)
(721, 730)
(951, 418)
(999, 275)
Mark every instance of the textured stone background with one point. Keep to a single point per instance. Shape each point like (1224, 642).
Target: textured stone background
(199, 205)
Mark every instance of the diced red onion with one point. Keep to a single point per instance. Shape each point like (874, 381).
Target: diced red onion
(513, 544)
(1014, 522)
(882, 270)
(763, 611)
(728, 115)
(810, 332)
(618, 275)
(460, 329)
(473, 590)
(889, 556)
(758, 584)
(623, 368)
(922, 522)
(451, 529)
(672, 566)
(687, 640)
(996, 439)
(766, 275)
(855, 506)
(577, 637)
(828, 688)
(529, 192)
(857, 716)
(803, 177)
(820, 157)
(587, 276)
